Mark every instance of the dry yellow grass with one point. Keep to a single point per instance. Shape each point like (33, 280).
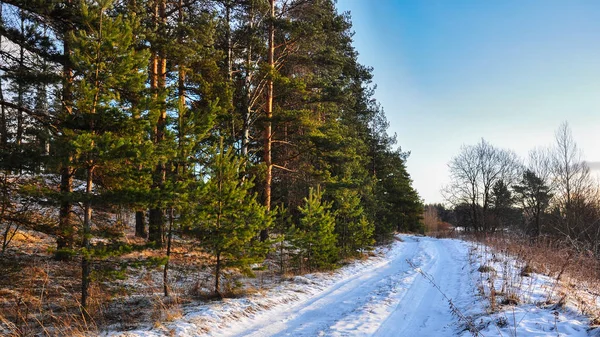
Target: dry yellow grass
(576, 273)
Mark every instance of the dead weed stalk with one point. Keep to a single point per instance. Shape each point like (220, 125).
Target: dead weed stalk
(453, 308)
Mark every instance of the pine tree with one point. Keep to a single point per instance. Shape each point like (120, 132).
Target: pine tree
(315, 235)
(43, 30)
(534, 196)
(501, 206)
(186, 108)
(228, 218)
(362, 234)
(99, 130)
(354, 231)
(316, 136)
(399, 206)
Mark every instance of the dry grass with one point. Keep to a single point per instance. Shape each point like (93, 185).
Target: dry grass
(549, 256)
(575, 273)
(40, 296)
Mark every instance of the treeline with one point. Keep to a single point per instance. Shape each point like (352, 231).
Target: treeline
(551, 193)
(241, 124)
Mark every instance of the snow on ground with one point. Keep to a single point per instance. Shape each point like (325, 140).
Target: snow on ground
(387, 295)
(526, 304)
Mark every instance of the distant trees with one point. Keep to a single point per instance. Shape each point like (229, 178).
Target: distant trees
(431, 220)
(570, 177)
(533, 191)
(574, 207)
(534, 197)
(502, 211)
(438, 219)
(554, 191)
(474, 174)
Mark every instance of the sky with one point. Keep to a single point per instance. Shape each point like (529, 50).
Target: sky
(450, 72)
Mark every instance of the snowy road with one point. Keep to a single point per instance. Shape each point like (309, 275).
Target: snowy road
(385, 296)
(388, 299)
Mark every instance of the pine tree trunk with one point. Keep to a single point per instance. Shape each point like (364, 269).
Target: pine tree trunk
(166, 269)
(20, 89)
(219, 214)
(229, 61)
(159, 73)
(264, 234)
(229, 45)
(87, 220)
(156, 227)
(140, 224)
(246, 132)
(66, 232)
(218, 274)
(3, 119)
(181, 165)
(140, 216)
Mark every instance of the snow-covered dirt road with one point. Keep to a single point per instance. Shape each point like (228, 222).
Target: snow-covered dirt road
(387, 295)
(388, 299)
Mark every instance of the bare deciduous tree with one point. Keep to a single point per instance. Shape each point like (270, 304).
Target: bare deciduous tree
(574, 206)
(474, 171)
(539, 162)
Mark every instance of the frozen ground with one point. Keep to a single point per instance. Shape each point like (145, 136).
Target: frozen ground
(387, 295)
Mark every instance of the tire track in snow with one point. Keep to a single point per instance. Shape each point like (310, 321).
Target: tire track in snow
(316, 315)
(423, 311)
(389, 300)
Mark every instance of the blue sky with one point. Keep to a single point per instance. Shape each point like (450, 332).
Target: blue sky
(451, 72)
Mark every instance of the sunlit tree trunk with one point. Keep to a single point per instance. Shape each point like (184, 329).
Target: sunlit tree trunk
(158, 83)
(269, 116)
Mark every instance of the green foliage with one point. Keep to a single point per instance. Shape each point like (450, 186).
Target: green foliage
(503, 215)
(501, 197)
(228, 217)
(149, 142)
(315, 237)
(362, 234)
(397, 205)
(98, 133)
(150, 262)
(354, 231)
(64, 254)
(534, 196)
(99, 136)
(282, 228)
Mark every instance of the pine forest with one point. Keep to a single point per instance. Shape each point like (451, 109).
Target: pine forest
(159, 152)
